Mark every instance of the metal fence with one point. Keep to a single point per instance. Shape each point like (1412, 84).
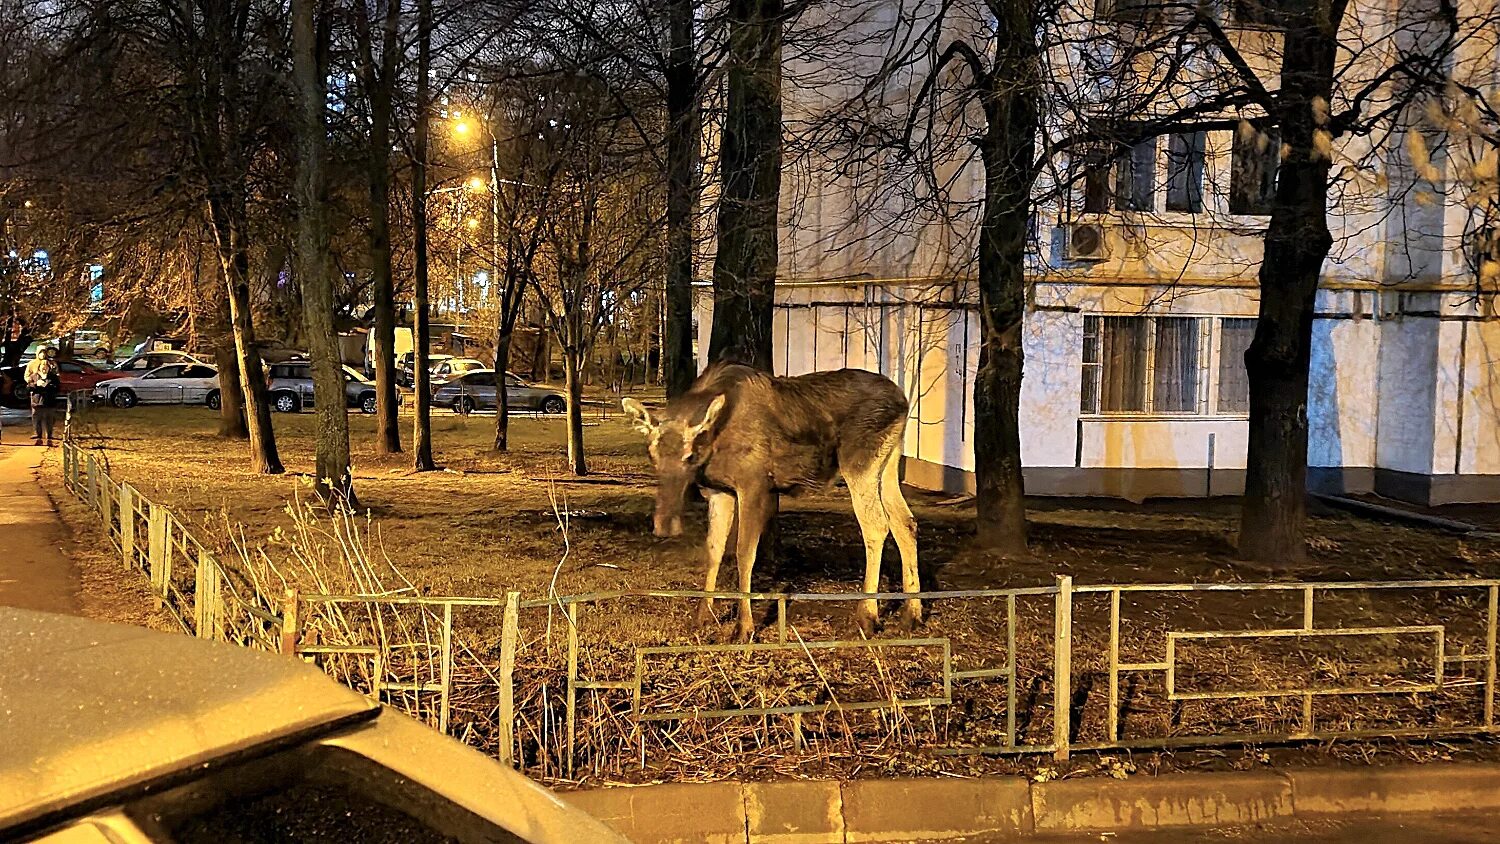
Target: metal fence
(205, 598)
(601, 681)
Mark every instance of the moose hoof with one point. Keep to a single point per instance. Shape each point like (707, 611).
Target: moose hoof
(911, 618)
(743, 634)
(866, 621)
(707, 617)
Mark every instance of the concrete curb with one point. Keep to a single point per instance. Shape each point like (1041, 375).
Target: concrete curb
(826, 812)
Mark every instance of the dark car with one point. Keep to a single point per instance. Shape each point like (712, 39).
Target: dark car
(121, 734)
(291, 387)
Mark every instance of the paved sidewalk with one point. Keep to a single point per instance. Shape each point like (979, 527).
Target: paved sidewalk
(1466, 828)
(34, 572)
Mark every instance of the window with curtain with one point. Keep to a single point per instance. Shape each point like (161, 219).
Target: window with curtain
(1185, 157)
(1175, 371)
(1145, 365)
(1234, 381)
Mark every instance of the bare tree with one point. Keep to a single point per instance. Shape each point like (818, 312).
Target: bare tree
(378, 80)
(421, 332)
(310, 40)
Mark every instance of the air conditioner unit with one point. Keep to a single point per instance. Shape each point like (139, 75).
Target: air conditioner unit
(1086, 242)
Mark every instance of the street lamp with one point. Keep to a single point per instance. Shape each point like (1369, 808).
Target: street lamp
(461, 128)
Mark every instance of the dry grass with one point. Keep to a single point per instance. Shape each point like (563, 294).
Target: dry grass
(108, 591)
(489, 523)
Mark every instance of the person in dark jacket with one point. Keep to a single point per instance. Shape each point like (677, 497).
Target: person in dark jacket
(44, 381)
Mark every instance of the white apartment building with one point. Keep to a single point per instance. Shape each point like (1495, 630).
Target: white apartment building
(1141, 300)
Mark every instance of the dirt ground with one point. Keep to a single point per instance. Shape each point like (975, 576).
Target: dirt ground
(489, 522)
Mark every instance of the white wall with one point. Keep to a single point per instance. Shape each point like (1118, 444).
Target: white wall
(1408, 362)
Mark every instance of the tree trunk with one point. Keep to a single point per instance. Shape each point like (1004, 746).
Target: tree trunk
(541, 359)
(1007, 148)
(1273, 522)
(422, 415)
(745, 262)
(231, 392)
(502, 397)
(234, 263)
(378, 84)
(314, 261)
(572, 363)
(684, 134)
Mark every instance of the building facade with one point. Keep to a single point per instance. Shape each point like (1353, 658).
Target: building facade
(1141, 301)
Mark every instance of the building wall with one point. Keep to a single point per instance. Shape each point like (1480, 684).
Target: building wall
(1403, 404)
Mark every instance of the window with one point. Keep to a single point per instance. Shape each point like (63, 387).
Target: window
(65, 366)
(1252, 176)
(479, 379)
(1185, 156)
(1116, 362)
(1096, 181)
(198, 372)
(1234, 382)
(1271, 13)
(165, 372)
(1128, 11)
(1135, 178)
(1175, 375)
(1138, 365)
(513, 381)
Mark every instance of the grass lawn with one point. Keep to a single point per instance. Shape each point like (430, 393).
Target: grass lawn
(488, 522)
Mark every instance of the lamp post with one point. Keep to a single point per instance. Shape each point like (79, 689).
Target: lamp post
(462, 128)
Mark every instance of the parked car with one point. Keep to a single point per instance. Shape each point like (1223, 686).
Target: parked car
(80, 375)
(90, 343)
(116, 733)
(476, 390)
(13, 387)
(405, 373)
(177, 383)
(291, 387)
(146, 361)
(73, 375)
(447, 370)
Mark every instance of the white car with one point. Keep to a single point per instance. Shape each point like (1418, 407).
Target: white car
(177, 383)
(451, 368)
(146, 361)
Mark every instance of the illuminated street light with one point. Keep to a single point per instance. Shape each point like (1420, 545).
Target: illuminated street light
(476, 184)
(472, 223)
(28, 203)
(461, 127)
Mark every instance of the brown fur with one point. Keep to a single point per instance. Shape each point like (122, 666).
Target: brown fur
(751, 436)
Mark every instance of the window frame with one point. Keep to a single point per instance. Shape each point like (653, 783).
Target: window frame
(1210, 339)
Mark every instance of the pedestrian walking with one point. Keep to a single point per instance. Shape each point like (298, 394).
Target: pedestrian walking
(44, 381)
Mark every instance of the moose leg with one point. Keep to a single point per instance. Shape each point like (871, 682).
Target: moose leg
(864, 489)
(755, 509)
(720, 524)
(904, 528)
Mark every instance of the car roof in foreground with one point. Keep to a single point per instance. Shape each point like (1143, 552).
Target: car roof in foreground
(93, 708)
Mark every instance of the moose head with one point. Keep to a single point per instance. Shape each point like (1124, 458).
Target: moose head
(680, 440)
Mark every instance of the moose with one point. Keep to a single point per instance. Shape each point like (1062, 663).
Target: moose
(743, 438)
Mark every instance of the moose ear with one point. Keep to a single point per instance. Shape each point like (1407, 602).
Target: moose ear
(715, 407)
(639, 416)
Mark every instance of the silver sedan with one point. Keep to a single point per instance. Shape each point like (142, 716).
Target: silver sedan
(476, 391)
(177, 383)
